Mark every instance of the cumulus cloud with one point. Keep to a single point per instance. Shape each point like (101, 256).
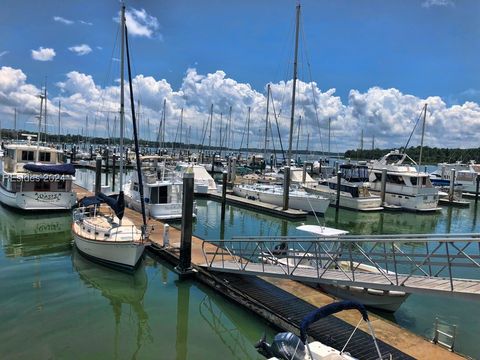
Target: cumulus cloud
(139, 23)
(387, 114)
(430, 3)
(43, 54)
(80, 50)
(63, 20)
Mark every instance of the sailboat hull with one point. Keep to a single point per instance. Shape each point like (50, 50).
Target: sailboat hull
(118, 254)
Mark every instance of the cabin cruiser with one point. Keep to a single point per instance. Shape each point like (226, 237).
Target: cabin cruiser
(406, 187)
(273, 194)
(162, 193)
(354, 191)
(34, 177)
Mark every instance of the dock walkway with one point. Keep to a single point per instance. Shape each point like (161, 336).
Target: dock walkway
(290, 300)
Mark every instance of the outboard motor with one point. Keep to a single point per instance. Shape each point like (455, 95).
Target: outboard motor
(285, 346)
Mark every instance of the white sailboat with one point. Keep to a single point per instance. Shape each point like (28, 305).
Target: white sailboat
(102, 232)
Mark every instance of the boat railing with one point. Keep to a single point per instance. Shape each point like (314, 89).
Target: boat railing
(394, 259)
(117, 232)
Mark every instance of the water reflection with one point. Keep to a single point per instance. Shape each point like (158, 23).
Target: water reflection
(27, 234)
(120, 289)
(228, 325)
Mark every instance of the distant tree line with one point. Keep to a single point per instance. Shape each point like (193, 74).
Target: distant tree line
(429, 155)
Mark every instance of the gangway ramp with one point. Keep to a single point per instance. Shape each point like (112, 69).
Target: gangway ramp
(417, 263)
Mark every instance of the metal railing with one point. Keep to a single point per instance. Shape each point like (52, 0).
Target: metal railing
(396, 259)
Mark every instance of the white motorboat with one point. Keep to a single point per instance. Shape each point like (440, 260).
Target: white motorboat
(203, 182)
(273, 194)
(34, 177)
(103, 233)
(287, 345)
(405, 185)
(354, 191)
(380, 299)
(162, 193)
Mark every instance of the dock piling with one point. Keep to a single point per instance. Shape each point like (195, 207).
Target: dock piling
(106, 166)
(166, 235)
(114, 159)
(452, 184)
(339, 181)
(234, 169)
(224, 194)
(98, 174)
(184, 266)
(286, 186)
(304, 173)
(383, 185)
(476, 189)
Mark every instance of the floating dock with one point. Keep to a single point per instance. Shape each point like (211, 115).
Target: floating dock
(285, 302)
(256, 205)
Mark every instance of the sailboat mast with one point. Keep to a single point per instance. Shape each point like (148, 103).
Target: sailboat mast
(423, 133)
(210, 133)
(248, 130)
(122, 95)
(59, 110)
(286, 188)
(266, 125)
(181, 129)
(292, 115)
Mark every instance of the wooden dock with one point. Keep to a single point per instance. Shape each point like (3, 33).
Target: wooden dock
(256, 205)
(261, 295)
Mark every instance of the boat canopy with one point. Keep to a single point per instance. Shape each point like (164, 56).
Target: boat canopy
(329, 309)
(62, 169)
(321, 230)
(117, 204)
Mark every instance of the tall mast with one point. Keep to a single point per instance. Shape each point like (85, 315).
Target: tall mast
(329, 128)
(181, 128)
(210, 134)
(229, 136)
(39, 127)
(45, 116)
(292, 115)
(266, 125)
(164, 121)
(15, 122)
(122, 95)
(59, 108)
(423, 133)
(248, 130)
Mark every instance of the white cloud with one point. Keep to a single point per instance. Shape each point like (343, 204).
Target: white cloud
(63, 20)
(139, 23)
(387, 114)
(99, 48)
(80, 50)
(85, 22)
(4, 53)
(43, 54)
(430, 3)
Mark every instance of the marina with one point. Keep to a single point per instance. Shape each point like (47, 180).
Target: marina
(217, 197)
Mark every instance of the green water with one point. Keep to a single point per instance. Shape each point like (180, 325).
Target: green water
(418, 312)
(54, 304)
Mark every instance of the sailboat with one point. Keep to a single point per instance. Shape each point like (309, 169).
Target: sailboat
(100, 229)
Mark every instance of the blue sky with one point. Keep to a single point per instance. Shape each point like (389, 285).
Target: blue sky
(424, 48)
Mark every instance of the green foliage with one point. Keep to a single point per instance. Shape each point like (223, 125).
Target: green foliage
(429, 155)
